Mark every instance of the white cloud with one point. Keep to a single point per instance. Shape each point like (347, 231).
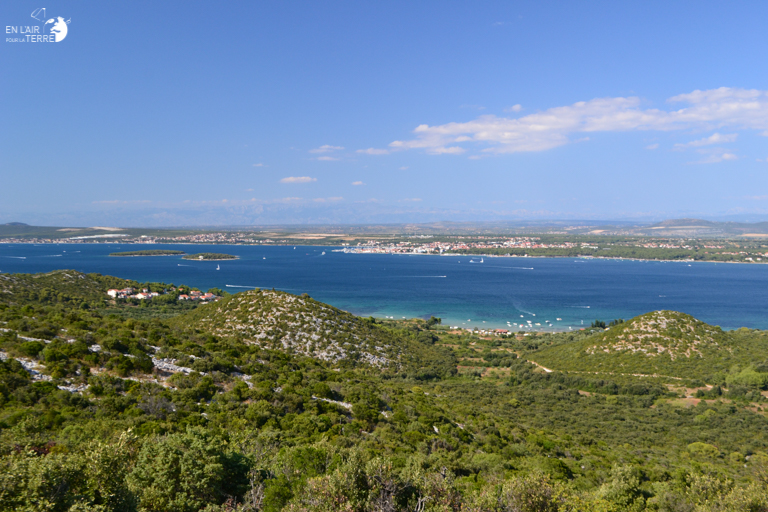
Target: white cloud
(326, 149)
(711, 109)
(298, 179)
(652, 146)
(404, 168)
(719, 156)
(259, 165)
(327, 158)
(328, 199)
(358, 183)
(411, 200)
(118, 201)
(715, 138)
(373, 151)
(514, 108)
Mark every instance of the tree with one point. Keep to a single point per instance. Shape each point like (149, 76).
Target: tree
(185, 472)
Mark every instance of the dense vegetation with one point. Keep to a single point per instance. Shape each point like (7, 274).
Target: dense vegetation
(209, 256)
(151, 252)
(110, 406)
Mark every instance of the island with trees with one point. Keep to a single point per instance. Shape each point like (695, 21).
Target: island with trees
(153, 252)
(210, 256)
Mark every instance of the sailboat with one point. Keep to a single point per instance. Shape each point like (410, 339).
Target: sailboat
(218, 267)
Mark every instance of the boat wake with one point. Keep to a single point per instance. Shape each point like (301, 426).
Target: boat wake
(519, 307)
(416, 276)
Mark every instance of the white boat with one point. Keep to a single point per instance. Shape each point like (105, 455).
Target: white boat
(218, 267)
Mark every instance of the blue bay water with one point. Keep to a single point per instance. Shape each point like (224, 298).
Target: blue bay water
(464, 294)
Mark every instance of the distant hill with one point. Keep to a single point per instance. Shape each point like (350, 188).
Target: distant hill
(663, 343)
(702, 228)
(304, 326)
(20, 230)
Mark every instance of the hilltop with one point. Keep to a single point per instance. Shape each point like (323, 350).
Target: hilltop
(301, 325)
(666, 343)
(659, 333)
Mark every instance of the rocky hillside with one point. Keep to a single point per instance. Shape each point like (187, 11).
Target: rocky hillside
(659, 333)
(301, 325)
(659, 343)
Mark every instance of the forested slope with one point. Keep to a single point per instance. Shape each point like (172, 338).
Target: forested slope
(109, 407)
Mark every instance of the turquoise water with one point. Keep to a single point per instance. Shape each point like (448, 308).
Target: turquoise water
(464, 294)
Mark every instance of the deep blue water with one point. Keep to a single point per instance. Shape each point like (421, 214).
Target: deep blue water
(466, 294)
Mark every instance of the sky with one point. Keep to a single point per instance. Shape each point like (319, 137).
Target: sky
(245, 113)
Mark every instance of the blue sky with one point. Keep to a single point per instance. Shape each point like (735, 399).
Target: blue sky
(203, 113)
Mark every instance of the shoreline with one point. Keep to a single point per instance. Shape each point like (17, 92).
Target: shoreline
(140, 255)
(617, 258)
(217, 259)
(572, 318)
(339, 248)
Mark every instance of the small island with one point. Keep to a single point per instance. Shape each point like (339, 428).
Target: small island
(210, 256)
(153, 252)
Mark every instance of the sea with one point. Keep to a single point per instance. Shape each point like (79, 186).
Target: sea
(539, 294)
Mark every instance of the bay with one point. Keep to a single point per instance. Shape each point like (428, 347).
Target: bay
(464, 294)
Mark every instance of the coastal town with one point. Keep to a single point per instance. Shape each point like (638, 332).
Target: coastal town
(600, 243)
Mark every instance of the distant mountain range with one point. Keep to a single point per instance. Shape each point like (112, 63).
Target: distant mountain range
(667, 228)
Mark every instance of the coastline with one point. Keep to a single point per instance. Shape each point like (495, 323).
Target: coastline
(617, 258)
(350, 250)
(140, 255)
(455, 315)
